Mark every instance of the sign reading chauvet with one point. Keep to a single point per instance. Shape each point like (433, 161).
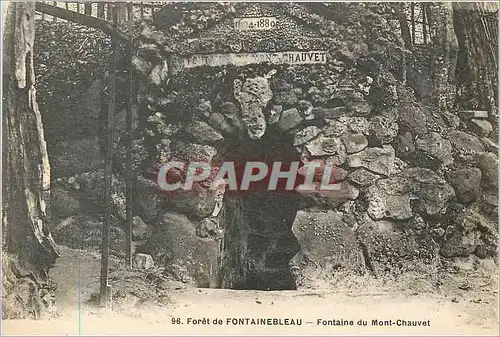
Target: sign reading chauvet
(243, 59)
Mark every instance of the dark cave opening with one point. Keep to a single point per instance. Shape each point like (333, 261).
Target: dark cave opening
(258, 242)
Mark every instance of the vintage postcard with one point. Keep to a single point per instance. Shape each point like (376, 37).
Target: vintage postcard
(249, 168)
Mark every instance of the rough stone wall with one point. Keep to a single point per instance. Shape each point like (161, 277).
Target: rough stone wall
(418, 187)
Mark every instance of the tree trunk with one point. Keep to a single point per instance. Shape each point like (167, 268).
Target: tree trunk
(29, 250)
(403, 23)
(424, 22)
(108, 12)
(444, 53)
(100, 10)
(121, 11)
(88, 9)
(476, 26)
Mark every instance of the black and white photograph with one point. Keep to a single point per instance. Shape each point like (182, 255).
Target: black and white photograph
(205, 168)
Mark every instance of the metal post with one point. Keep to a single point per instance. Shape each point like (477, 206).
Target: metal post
(54, 18)
(130, 103)
(105, 294)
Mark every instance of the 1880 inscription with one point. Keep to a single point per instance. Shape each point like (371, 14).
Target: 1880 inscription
(243, 59)
(261, 23)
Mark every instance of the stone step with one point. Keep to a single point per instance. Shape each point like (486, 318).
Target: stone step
(470, 114)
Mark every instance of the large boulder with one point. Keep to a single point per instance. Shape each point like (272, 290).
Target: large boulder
(412, 118)
(327, 240)
(322, 146)
(203, 132)
(466, 182)
(378, 160)
(354, 142)
(199, 203)
(470, 232)
(187, 257)
(383, 130)
(391, 250)
(305, 135)
(393, 197)
(143, 261)
(488, 164)
(481, 127)
(435, 146)
(290, 118)
(464, 142)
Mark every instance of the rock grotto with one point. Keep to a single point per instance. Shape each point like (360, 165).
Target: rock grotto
(418, 185)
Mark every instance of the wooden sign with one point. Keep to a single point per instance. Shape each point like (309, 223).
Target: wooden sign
(243, 59)
(261, 23)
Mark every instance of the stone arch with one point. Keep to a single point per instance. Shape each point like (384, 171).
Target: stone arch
(253, 117)
(338, 100)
